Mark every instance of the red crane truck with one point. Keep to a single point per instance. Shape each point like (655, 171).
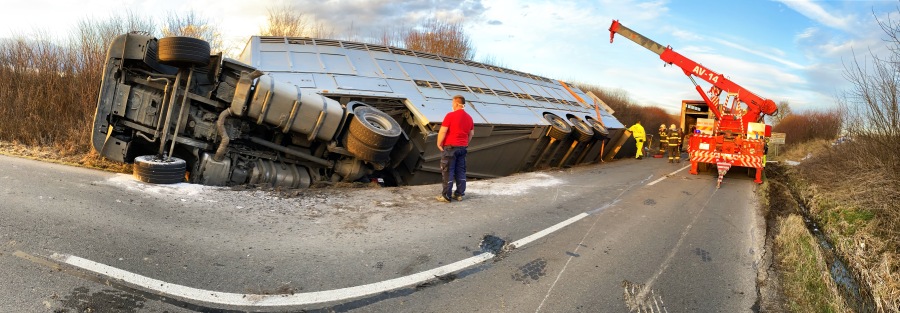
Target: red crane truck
(736, 136)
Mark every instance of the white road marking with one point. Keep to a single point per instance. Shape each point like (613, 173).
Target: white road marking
(597, 210)
(563, 270)
(667, 176)
(255, 300)
(524, 241)
(299, 299)
(642, 296)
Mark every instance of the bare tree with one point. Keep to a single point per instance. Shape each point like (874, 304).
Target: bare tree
(871, 106)
(288, 21)
(92, 37)
(391, 36)
(442, 38)
(194, 25)
(492, 60)
(627, 110)
(784, 109)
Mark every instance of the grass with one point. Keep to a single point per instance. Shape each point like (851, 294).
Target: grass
(847, 221)
(50, 154)
(808, 287)
(801, 151)
(855, 198)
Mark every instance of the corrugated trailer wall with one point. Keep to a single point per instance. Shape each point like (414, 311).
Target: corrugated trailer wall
(507, 106)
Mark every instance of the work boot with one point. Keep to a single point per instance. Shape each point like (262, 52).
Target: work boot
(442, 198)
(677, 160)
(457, 197)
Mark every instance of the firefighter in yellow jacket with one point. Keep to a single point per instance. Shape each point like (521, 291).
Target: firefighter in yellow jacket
(674, 141)
(637, 131)
(663, 135)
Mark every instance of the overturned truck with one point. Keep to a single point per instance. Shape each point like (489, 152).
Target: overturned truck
(295, 111)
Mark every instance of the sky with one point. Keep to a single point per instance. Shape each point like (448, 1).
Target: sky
(786, 50)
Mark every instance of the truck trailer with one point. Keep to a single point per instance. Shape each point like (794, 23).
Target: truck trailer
(293, 111)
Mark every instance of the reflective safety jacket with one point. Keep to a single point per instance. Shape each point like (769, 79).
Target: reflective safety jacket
(674, 137)
(638, 132)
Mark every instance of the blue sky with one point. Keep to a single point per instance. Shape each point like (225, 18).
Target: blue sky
(783, 50)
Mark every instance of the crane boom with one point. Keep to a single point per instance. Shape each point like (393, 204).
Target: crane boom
(735, 138)
(756, 105)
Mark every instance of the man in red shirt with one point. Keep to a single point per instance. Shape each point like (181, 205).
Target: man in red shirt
(453, 139)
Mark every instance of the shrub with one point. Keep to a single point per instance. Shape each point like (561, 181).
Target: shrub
(811, 125)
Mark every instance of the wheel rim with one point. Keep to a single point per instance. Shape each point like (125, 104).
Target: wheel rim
(376, 122)
(557, 122)
(582, 126)
(599, 128)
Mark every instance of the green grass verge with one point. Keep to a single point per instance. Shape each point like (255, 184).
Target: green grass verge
(806, 283)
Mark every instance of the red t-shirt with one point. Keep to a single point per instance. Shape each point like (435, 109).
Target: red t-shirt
(458, 124)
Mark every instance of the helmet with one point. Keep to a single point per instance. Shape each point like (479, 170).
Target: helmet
(662, 126)
(672, 126)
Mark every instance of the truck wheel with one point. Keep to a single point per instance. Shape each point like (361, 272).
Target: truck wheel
(149, 169)
(366, 152)
(582, 130)
(183, 51)
(600, 131)
(559, 129)
(374, 128)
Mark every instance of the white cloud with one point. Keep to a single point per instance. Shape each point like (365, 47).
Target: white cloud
(815, 12)
(686, 35)
(759, 53)
(808, 33)
(636, 11)
(564, 39)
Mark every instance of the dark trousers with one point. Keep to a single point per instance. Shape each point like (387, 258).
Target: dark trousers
(674, 154)
(453, 170)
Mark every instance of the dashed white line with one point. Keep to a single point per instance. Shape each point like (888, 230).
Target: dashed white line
(563, 270)
(668, 260)
(667, 176)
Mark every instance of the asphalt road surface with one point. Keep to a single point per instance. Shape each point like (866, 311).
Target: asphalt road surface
(626, 236)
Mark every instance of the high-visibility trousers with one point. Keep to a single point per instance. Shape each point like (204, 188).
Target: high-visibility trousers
(640, 148)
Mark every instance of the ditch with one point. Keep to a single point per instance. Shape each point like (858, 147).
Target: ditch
(856, 295)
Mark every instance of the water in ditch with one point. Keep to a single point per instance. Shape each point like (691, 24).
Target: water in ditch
(855, 295)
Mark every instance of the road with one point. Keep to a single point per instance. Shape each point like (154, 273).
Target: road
(631, 235)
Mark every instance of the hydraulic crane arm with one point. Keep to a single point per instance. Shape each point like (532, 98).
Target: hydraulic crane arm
(756, 105)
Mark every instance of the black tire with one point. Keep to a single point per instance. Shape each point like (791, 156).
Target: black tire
(600, 131)
(559, 129)
(183, 51)
(374, 128)
(365, 152)
(583, 131)
(149, 169)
